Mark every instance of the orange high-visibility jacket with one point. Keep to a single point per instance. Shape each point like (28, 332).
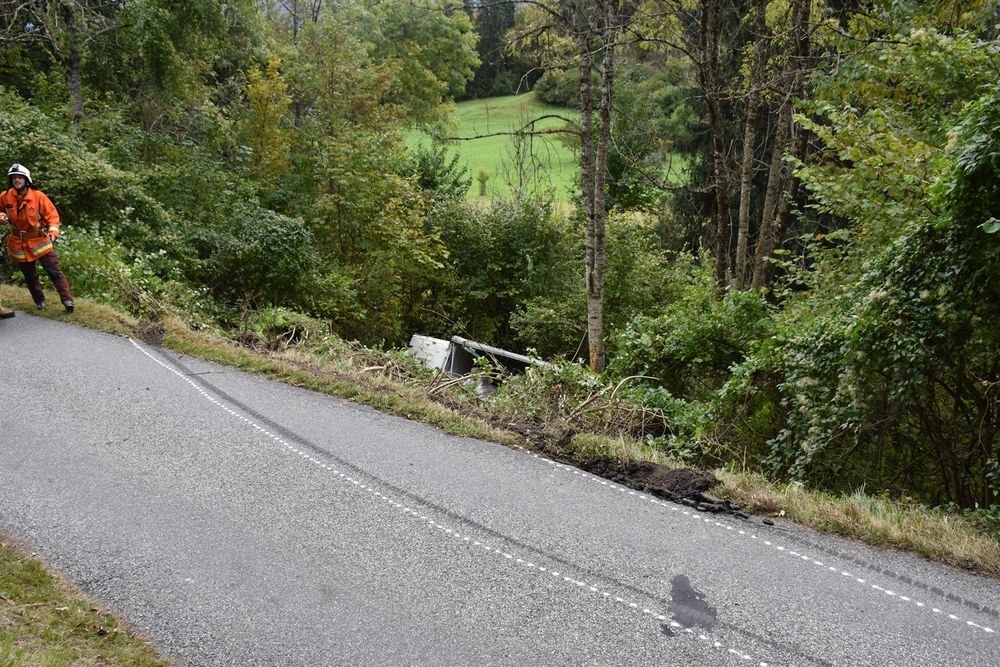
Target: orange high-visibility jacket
(33, 220)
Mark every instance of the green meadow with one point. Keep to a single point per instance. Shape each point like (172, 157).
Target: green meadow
(546, 162)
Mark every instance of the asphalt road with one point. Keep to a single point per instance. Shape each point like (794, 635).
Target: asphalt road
(239, 521)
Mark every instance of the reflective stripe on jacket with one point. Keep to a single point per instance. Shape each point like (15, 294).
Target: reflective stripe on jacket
(33, 218)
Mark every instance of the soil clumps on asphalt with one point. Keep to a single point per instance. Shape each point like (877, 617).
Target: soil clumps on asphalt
(686, 486)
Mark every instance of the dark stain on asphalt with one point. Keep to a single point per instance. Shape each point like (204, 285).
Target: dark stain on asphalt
(688, 606)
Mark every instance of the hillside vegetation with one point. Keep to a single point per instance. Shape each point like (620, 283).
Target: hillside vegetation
(797, 241)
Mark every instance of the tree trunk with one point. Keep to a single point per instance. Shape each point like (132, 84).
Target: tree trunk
(72, 58)
(586, 118)
(777, 195)
(596, 227)
(588, 158)
(708, 73)
(74, 83)
(774, 182)
(749, 139)
(784, 215)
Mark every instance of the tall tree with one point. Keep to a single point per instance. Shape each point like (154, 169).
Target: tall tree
(431, 47)
(66, 28)
(593, 159)
(565, 31)
(492, 21)
(754, 85)
(295, 13)
(710, 76)
(707, 34)
(766, 43)
(267, 131)
(776, 196)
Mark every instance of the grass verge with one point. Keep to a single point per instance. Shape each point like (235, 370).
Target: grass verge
(361, 375)
(938, 536)
(45, 621)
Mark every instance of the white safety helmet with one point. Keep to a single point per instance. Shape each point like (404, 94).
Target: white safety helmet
(18, 170)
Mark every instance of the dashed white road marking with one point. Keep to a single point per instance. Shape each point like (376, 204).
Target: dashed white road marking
(697, 516)
(443, 528)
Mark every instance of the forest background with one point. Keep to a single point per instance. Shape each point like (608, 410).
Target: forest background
(788, 211)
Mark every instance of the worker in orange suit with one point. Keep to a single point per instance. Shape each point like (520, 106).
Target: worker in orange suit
(34, 228)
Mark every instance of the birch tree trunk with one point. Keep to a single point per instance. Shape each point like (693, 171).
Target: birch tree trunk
(597, 225)
(594, 158)
(749, 139)
(586, 119)
(778, 191)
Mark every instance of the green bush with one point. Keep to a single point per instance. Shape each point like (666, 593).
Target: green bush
(430, 167)
(102, 269)
(280, 328)
(87, 190)
(95, 265)
(692, 347)
(500, 258)
(639, 278)
(262, 260)
(560, 87)
(894, 383)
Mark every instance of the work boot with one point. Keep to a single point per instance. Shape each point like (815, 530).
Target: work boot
(40, 304)
(6, 313)
(68, 305)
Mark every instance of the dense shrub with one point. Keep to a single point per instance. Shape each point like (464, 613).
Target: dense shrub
(895, 385)
(262, 261)
(560, 87)
(434, 171)
(639, 278)
(279, 328)
(87, 189)
(102, 269)
(501, 257)
(692, 347)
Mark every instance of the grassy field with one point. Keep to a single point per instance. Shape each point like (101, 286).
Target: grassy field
(552, 165)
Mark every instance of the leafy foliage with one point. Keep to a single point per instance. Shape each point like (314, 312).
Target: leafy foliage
(262, 261)
(431, 50)
(501, 257)
(559, 87)
(888, 371)
(691, 348)
(435, 172)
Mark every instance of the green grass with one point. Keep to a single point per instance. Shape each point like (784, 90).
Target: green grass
(45, 621)
(494, 154)
(554, 165)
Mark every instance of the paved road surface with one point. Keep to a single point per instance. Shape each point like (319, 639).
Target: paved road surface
(239, 521)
